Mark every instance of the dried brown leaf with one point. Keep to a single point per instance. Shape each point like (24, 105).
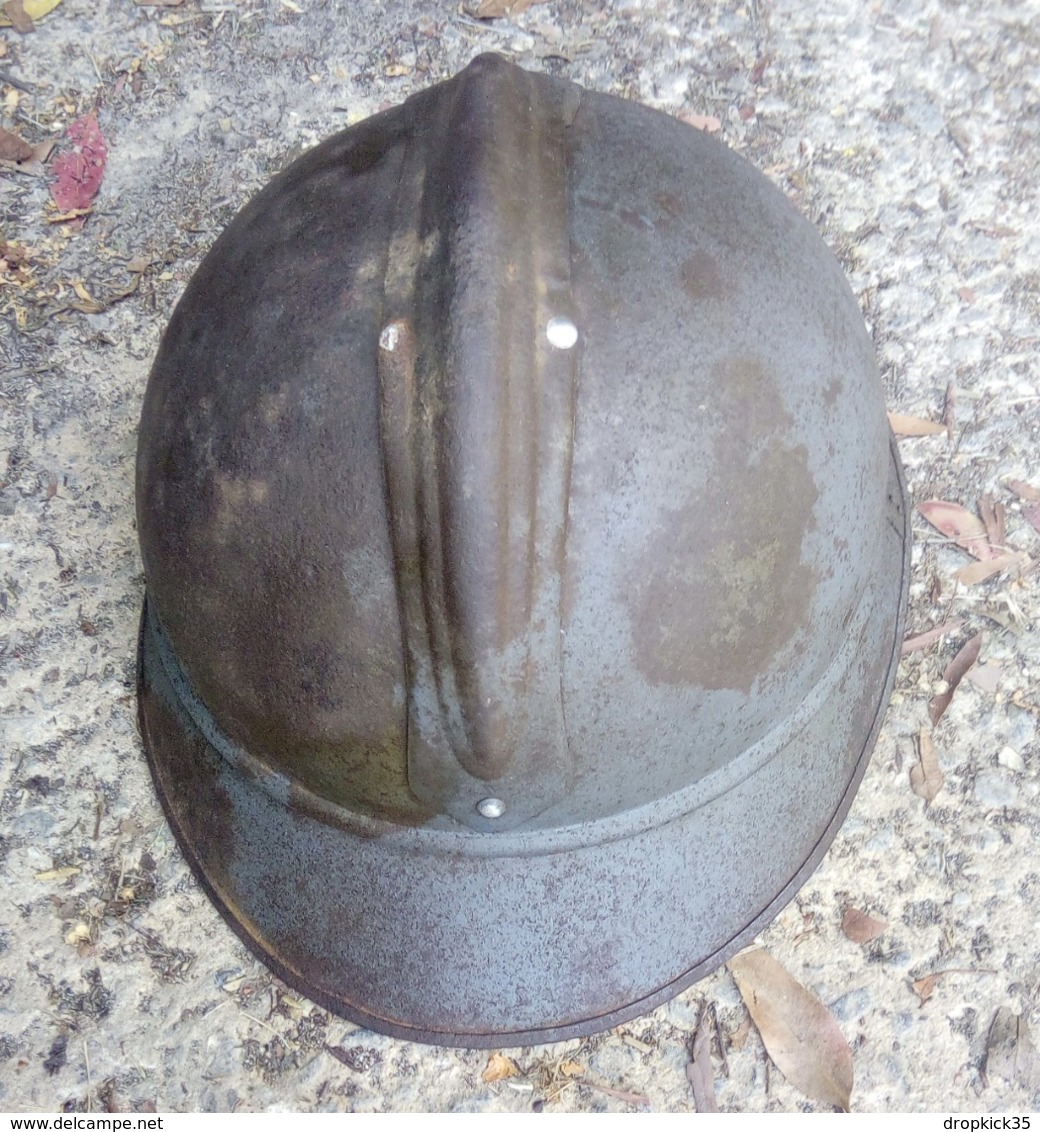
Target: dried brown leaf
(759, 69)
(499, 1067)
(1024, 490)
(1011, 1052)
(926, 778)
(902, 425)
(994, 231)
(18, 17)
(923, 640)
(953, 674)
(798, 1031)
(706, 122)
(1032, 516)
(570, 1069)
(966, 530)
(861, 928)
(14, 148)
(977, 572)
(738, 1038)
(494, 9)
(700, 1072)
(924, 987)
(994, 519)
(950, 406)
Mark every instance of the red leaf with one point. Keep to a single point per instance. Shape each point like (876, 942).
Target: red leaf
(966, 530)
(79, 173)
(14, 148)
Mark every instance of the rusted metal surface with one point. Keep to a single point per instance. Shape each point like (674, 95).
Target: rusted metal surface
(526, 561)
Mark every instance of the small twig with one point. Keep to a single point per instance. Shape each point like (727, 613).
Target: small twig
(7, 77)
(950, 411)
(617, 1094)
(260, 1022)
(86, 1059)
(720, 1043)
(923, 640)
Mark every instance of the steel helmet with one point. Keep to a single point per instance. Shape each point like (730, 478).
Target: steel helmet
(526, 562)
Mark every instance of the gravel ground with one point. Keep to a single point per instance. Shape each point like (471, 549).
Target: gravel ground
(908, 132)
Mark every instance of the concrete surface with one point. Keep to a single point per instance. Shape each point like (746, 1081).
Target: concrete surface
(908, 131)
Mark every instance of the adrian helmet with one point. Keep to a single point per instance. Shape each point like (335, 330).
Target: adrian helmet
(526, 561)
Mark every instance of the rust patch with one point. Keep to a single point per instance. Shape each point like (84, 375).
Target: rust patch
(670, 203)
(701, 277)
(725, 588)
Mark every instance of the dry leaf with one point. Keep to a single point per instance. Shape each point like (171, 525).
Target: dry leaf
(78, 173)
(1024, 490)
(18, 17)
(499, 1067)
(81, 289)
(706, 122)
(926, 778)
(34, 9)
(994, 518)
(72, 214)
(14, 148)
(861, 928)
(700, 1072)
(1032, 516)
(924, 987)
(59, 874)
(1011, 1052)
(923, 640)
(966, 530)
(953, 674)
(570, 1069)
(738, 1038)
(903, 425)
(950, 410)
(979, 571)
(798, 1031)
(994, 231)
(493, 9)
(759, 69)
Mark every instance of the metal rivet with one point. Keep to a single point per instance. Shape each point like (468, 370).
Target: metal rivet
(561, 332)
(388, 339)
(491, 808)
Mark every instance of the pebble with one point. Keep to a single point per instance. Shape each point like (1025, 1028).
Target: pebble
(1010, 758)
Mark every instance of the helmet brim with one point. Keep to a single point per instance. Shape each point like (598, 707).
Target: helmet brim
(482, 941)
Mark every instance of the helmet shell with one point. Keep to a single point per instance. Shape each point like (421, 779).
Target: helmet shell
(526, 561)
